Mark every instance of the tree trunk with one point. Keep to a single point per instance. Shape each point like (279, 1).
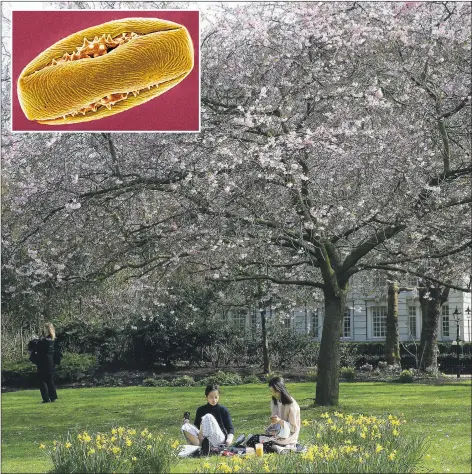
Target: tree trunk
(327, 386)
(431, 300)
(265, 344)
(392, 345)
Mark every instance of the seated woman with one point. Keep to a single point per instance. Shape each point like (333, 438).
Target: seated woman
(285, 413)
(213, 425)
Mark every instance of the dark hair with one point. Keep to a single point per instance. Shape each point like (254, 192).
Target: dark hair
(277, 383)
(211, 388)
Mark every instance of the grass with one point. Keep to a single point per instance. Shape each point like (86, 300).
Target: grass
(442, 412)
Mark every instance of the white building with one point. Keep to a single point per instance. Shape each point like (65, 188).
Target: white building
(365, 316)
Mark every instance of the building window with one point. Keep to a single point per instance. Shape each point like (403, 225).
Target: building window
(379, 321)
(286, 322)
(412, 321)
(239, 318)
(380, 280)
(347, 323)
(300, 323)
(445, 320)
(316, 323)
(254, 319)
(412, 281)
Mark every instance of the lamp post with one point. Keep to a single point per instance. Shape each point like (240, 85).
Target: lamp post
(457, 342)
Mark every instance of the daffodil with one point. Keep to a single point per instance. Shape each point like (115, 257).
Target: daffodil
(91, 451)
(395, 433)
(148, 447)
(68, 445)
(128, 442)
(42, 446)
(378, 448)
(206, 466)
(175, 444)
(134, 459)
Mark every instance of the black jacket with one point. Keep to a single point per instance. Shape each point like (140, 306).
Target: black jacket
(221, 415)
(44, 347)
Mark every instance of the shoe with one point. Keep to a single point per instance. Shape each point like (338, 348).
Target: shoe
(239, 440)
(46, 401)
(205, 447)
(53, 400)
(186, 417)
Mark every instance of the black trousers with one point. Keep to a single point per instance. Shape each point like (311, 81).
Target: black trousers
(47, 387)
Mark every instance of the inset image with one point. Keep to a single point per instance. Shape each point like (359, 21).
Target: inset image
(106, 71)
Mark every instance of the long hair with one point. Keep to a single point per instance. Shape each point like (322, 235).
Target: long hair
(278, 384)
(49, 330)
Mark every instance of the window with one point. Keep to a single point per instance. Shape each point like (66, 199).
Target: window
(412, 321)
(300, 321)
(254, 319)
(412, 281)
(347, 323)
(286, 322)
(380, 280)
(379, 321)
(445, 320)
(316, 323)
(239, 318)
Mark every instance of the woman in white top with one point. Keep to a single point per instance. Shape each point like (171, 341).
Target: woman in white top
(285, 413)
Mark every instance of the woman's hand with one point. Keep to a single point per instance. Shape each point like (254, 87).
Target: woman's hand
(275, 419)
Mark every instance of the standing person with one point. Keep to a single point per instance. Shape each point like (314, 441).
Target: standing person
(213, 425)
(44, 349)
(285, 420)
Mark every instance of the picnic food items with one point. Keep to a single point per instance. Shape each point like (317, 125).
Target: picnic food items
(104, 70)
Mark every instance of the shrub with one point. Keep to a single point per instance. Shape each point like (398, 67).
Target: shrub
(122, 450)
(155, 382)
(251, 379)
(184, 381)
(224, 378)
(19, 373)
(75, 367)
(366, 368)
(348, 373)
(312, 374)
(406, 376)
(382, 365)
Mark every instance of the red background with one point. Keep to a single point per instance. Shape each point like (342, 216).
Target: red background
(176, 110)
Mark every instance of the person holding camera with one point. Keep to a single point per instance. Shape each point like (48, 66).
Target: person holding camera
(213, 426)
(42, 354)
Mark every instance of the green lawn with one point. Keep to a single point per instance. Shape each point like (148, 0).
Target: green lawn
(442, 413)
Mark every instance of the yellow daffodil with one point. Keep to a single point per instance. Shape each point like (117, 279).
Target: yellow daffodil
(329, 421)
(128, 442)
(42, 446)
(54, 443)
(391, 456)
(131, 432)
(148, 447)
(115, 450)
(113, 431)
(305, 422)
(134, 459)
(206, 466)
(378, 448)
(175, 444)
(79, 437)
(91, 451)
(68, 445)
(395, 433)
